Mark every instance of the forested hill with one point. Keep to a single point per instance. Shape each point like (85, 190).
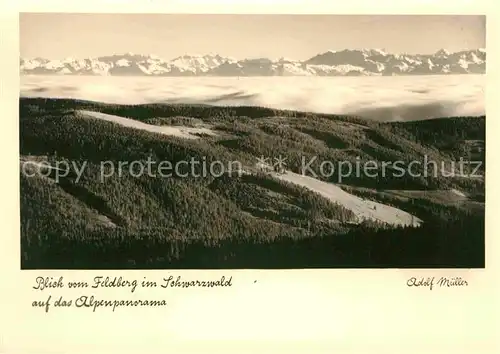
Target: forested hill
(252, 220)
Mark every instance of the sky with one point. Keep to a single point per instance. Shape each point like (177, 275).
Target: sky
(61, 35)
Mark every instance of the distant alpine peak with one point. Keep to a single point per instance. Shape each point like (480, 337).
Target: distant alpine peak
(198, 55)
(376, 51)
(286, 60)
(346, 62)
(442, 52)
(371, 51)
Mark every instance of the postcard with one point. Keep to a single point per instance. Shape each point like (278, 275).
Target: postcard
(247, 179)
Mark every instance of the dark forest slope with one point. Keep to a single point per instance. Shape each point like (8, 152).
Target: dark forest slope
(247, 221)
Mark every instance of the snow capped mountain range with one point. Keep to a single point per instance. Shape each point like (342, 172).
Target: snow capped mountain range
(364, 62)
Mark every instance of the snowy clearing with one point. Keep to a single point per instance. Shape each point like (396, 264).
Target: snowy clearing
(362, 208)
(178, 131)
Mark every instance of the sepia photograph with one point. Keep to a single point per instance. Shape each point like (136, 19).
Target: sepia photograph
(238, 141)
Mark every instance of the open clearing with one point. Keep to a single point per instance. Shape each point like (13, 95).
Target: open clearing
(362, 208)
(178, 131)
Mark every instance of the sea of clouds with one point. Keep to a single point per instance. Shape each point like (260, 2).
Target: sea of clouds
(382, 98)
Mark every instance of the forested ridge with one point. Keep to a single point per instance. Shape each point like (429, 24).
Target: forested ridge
(248, 221)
